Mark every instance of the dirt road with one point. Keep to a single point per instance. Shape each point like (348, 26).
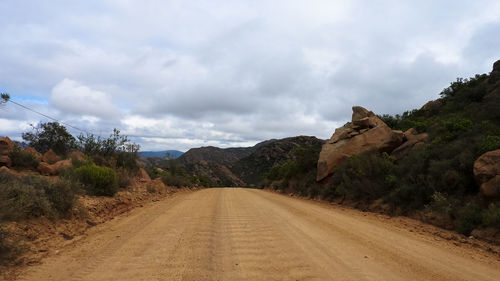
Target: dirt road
(244, 234)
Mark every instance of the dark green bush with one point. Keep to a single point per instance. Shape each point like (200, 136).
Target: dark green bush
(98, 180)
(489, 143)
(365, 177)
(470, 217)
(23, 159)
(34, 196)
(491, 217)
(176, 180)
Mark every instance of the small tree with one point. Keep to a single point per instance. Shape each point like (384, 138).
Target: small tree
(4, 98)
(50, 135)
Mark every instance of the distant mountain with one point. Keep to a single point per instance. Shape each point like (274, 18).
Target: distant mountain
(160, 154)
(242, 166)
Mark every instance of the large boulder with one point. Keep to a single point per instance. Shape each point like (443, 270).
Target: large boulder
(487, 173)
(6, 146)
(412, 139)
(50, 157)
(366, 132)
(63, 164)
(46, 169)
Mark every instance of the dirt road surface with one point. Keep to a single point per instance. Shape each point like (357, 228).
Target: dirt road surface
(244, 234)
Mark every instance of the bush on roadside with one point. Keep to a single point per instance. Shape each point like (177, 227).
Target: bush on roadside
(98, 180)
(491, 217)
(176, 180)
(470, 217)
(34, 196)
(365, 177)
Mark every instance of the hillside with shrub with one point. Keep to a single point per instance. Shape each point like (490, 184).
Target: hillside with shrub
(434, 180)
(69, 181)
(242, 166)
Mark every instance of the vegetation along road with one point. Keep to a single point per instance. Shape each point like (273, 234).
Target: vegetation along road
(246, 234)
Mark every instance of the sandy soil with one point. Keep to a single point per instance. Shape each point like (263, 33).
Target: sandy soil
(244, 234)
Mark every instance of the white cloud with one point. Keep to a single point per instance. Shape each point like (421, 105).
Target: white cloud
(74, 98)
(188, 73)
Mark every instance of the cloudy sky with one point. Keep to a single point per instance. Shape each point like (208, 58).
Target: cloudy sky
(182, 74)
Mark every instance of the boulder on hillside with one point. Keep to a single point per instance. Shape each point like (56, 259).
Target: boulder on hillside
(495, 73)
(50, 157)
(487, 173)
(46, 169)
(6, 146)
(5, 161)
(365, 132)
(412, 139)
(4, 169)
(33, 151)
(59, 165)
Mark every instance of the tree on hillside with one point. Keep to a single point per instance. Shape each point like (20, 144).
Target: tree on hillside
(50, 135)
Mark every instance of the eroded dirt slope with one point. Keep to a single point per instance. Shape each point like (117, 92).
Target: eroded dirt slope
(243, 234)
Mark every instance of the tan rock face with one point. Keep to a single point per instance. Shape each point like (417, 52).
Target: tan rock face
(50, 157)
(46, 169)
(487, 173)
(364, 133)
(412, 139)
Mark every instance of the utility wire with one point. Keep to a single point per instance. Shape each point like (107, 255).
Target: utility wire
(46, 116)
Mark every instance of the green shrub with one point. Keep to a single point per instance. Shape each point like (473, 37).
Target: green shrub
(86, 161)
(176, 180)
(98, 180)
(23, 159)
(440, 204)
(491, 217)
(62, 195)
(365, 177)
(470, 217)
(489, 143)
(34, 196)
(124, 177)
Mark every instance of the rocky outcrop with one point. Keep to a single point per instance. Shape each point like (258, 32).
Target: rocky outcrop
(411, 140)
(487, 173)
(6, 147)
(495, 73)
(47, 169)
(50, 157)
(365, 132)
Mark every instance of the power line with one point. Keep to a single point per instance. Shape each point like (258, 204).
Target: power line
(46, 116)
